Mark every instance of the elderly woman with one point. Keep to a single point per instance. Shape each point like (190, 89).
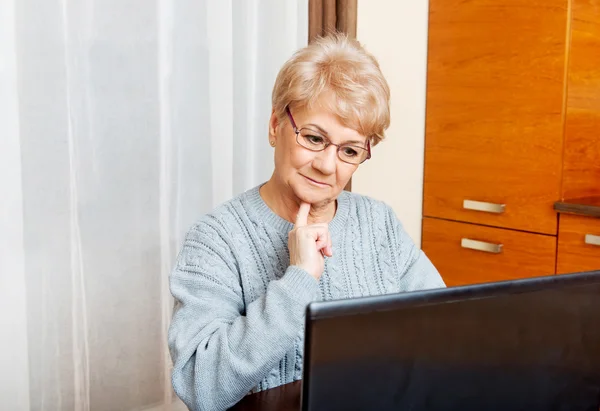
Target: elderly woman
(248, 269)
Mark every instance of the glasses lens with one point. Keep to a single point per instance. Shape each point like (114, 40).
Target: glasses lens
(312, 140)
(315, 141)
(352, 154)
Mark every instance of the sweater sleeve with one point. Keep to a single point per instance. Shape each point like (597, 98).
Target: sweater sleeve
(221, 350)
(416, 271)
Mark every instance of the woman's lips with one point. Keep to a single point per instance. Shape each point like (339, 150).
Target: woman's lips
(315, 182)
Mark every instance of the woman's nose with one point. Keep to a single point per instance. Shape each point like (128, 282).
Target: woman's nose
(326, 160)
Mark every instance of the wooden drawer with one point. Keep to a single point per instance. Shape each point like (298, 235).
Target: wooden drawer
(522, 254)
(574, 254)
(494, 121)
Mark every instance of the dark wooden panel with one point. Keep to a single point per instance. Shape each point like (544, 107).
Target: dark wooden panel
(283, 398)
(589, 206)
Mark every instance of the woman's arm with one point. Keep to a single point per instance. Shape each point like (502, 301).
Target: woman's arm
(220, 352)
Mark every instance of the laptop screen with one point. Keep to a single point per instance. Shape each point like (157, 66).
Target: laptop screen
(528, 344)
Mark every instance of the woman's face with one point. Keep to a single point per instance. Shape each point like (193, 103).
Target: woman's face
(314, 177)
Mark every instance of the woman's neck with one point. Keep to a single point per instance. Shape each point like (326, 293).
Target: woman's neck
(282, 200)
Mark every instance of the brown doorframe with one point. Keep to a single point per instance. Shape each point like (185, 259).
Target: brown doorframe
(328, 16)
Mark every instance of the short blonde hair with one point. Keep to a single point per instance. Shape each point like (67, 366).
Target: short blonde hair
(338, 65)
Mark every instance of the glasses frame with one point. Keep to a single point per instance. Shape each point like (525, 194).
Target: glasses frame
(328, 142)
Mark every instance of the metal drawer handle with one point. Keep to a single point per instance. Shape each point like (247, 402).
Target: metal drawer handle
(481, 246)
(483, 206)
(592, 239)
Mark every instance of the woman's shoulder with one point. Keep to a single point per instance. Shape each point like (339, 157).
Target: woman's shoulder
(379, 216)
(363, 204)
(222, 219)
(372, 211)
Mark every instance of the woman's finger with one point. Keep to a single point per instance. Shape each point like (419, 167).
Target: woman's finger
(322, 244)
(302, 216)
(329, 251)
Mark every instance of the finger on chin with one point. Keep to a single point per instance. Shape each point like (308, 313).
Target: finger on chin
(302, 216)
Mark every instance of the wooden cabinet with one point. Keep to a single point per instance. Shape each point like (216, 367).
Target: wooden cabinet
(468, 253)
(578, 244)
(512, 127)
(495, 85)
(582, 129)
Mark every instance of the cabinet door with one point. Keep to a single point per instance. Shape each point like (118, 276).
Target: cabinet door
(494, 128)
(578, 244)
(582, 128)
(467, 254)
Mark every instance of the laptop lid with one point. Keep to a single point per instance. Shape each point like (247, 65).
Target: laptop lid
(529, 344)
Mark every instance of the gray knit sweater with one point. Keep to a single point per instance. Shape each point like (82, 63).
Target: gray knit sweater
(239, 318)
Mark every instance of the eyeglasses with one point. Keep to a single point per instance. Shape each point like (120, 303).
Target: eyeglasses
(315, 141)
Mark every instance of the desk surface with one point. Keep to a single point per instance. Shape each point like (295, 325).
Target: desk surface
(283, 398)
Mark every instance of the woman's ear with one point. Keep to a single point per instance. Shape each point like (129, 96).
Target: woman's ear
(273, 124)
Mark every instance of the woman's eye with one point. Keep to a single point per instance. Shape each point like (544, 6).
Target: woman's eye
(315, 139)
(350, 152)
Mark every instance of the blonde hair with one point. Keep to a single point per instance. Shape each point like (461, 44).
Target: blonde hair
(338, 65)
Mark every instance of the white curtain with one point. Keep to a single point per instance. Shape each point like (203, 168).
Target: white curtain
(121, 121)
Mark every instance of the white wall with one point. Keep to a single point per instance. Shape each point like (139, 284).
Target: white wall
(395, 31)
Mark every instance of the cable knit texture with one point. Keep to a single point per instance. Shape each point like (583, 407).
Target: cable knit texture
(238, 324)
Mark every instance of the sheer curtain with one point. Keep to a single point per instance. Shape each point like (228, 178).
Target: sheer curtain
(121, 121)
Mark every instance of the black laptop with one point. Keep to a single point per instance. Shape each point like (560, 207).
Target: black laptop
(530, 344)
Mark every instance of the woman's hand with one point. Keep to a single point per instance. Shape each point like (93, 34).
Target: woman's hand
(309, 244)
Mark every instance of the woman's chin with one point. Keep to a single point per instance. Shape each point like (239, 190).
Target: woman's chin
(314, 195)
